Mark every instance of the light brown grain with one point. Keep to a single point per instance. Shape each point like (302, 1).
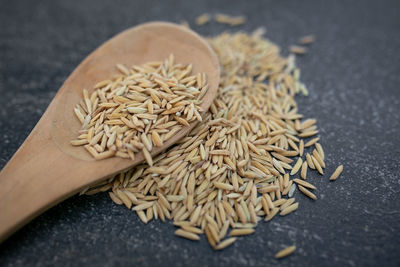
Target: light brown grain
(240, 232)
(307, 192)
(285, 252)
(336, 173)
(187, 235)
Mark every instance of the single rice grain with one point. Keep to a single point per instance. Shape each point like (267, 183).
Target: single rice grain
(336, 173)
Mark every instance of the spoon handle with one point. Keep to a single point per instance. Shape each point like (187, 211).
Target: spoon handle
(37, 177)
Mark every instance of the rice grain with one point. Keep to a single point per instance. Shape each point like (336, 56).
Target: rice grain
(285, 252)
(240, 232)
(289, 209)
(307, 192)
(187, 235)
(336, 173)
(226, 243)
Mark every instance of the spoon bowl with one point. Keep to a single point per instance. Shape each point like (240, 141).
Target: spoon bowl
(47, 169)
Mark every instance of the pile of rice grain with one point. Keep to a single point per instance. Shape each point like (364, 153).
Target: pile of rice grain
(234, 169)
(140, 108)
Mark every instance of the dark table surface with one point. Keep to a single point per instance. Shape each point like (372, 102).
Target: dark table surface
(352, 73)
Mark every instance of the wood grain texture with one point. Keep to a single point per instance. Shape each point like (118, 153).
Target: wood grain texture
(46, 169)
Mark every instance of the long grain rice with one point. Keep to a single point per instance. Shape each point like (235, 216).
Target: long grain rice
(226, 243)
(187, 235)
(233, 168)
(285, 252)
(336, 173)
(307, 192)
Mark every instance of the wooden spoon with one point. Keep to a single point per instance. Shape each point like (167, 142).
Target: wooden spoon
(47, 169)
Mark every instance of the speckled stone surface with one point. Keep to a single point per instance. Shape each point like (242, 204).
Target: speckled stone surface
(352, 73)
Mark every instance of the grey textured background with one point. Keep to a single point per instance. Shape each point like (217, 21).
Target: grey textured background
(352, 72)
